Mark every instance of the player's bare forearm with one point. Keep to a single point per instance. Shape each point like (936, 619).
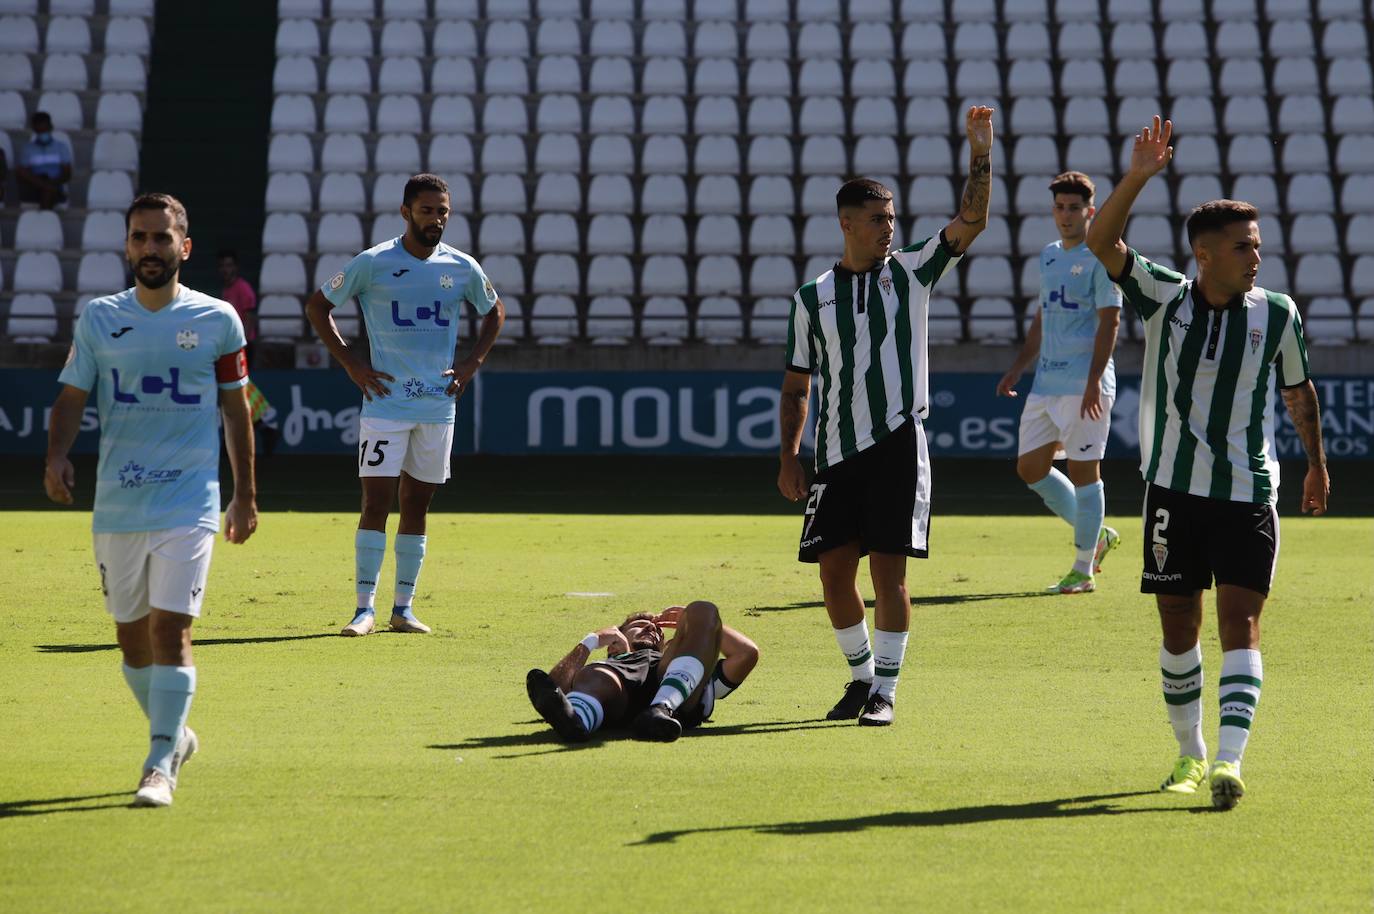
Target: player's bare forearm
(1030, 349)
(566, 670)
(1104, 343)
(238, 441)
(1106, 228)
(1301, 403)
(796, 389)
(492, 322)
(320, 312)
(65, 421)
(973, 206)
(740, 654)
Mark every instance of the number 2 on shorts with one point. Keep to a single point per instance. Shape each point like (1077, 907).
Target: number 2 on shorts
(1161, 524)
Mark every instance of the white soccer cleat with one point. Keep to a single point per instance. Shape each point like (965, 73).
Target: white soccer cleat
(1107, 540)
(362, 624)
(408, 625)
(187, 746)
(154, 790)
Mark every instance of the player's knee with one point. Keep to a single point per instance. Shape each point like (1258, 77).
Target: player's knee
(702, 614)
(169, 631)
(1030, 472)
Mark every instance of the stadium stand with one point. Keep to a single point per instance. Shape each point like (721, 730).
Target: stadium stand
(89, 60)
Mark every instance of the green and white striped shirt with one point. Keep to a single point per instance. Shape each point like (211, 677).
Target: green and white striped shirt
(1207, 391)
(865, 334)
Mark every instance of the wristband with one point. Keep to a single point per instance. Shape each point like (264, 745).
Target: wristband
(592, 641)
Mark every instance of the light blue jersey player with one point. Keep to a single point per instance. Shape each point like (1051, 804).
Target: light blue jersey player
(165, 362)
(1068, 411)
(411, 292)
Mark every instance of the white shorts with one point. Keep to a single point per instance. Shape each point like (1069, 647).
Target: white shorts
(387, 447)
(1047, 419)
(165, 569)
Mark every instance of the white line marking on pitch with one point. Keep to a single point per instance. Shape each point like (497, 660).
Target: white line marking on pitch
(588, 593)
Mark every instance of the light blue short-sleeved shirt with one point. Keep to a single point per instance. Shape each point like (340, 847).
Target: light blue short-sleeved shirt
(1074, 286)
(411, 308)
(157, 394)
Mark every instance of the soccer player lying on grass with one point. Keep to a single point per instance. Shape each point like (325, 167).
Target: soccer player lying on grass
(657, 688)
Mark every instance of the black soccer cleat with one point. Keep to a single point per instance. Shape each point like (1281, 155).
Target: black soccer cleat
(877, 712)
(851, 704)
(552, 705)
(658, 724)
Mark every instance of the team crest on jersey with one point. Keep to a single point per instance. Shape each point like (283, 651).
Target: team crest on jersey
(1076, 270)
(886, 283)
(337, 282)
(486, 285)
(445, 281)
(188, 339)
(1161, 552)
(1256, 337)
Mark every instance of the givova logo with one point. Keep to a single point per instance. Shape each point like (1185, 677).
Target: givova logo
(134, 476)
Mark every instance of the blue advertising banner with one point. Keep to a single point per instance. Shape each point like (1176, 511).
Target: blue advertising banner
(632, 412)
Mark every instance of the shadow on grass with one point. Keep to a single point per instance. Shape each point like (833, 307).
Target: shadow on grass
(196, 642)
(547, 738)
(1067, 808)
(927, 600)
(15, 808)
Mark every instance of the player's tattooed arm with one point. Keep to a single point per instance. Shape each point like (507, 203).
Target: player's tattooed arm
(566, 670)
(973, 206)
(1301, 403)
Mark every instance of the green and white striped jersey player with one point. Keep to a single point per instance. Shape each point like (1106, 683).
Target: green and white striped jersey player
(861, 327)
(1215, 348)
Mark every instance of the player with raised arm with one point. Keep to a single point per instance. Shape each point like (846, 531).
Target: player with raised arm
(411, 291)
(659, 689)
(166, 361)
(862, 328)
(1068, 411)
(1215, 346)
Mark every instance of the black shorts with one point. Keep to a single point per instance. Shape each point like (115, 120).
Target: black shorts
(1189, 540)
(638, 672)
(880, 497)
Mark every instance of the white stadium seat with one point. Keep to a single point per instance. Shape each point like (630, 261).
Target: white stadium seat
(289, 152)
(609, 194)
(1311, 193)
(109, 190)
(16, 72)
(610, 320)
(18, 34)
(37, 271)
(664, 321)
(401, 75)
(285, 233)
(506, 39)
(32, 318)
(339, 233)
(449, 153)
(505, 76)
(344, 152)
(607, 233)
(38, 230)
(101, 272)
(341, 193)
(1317, 274)
(103, 230)
(289, 192)
(452, 75)
(397, 153)
(402, 38)
(293, 112)
(348, 74)
(280, 318)
(992, 320)
(282, 273)
(118, 111)
(719, 321)
(718, 234)
(64, 71)
(659, 234)
(558, 193)
(350, 38)
(772, 275)
(298, 37)
(988, 275)
(663, 274)
(553, 320)
(347, 114)
(557, 273)
(944, 324)
(13, 113)
(501, 232)
(718, 274)
(399, 113)
(611, 154)
(1312, 233)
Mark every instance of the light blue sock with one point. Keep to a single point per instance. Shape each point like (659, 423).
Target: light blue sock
(1092, 508)
(169, 701)
(1057, 492)
(410, 555)
(138, 678)
(369, 548)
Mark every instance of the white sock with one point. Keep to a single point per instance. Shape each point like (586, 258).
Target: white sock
(1242, 672)
(854, 643)
(1181, 676)
(889, 649)
(587, 709)
(721, 686)
(679, 681)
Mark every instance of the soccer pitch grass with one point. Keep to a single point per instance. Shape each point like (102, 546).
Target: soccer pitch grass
(408, 773)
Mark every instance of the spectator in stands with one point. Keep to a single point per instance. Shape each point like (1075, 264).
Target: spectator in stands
(239, 293)
(44, 165)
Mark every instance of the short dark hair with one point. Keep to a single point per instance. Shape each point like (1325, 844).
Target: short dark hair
(228, 254)
(421, 183)
(1074, 182)
(859, 191)
(160, 202)
(1217, 214)
(39, 116)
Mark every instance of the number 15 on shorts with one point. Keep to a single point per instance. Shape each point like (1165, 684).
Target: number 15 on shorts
(377, 455)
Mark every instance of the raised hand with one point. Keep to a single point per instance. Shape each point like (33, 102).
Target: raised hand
(1152, 150)
(613, 640)
(978, 127)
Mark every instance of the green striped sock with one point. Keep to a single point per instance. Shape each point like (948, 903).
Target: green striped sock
(679, 681)
(889, 649)
(1242, 673)
(1181, 676)
(853, 642)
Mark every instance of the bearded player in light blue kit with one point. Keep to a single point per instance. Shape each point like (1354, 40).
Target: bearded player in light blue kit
(166, 360)
(411, 292)
(1068, 412)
